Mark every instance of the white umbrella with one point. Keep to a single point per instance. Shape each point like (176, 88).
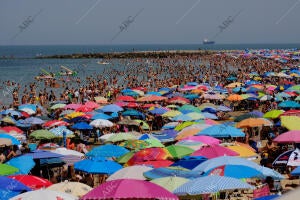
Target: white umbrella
(132, 172)
(101, 123)
(44, 195)
(67, 152)
(74, 188)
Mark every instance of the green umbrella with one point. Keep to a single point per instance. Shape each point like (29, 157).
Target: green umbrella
(189, 107)
(7, 169)
(178, 151)
(57, 106)
(145, 124)
(154, 143)
(124, 159)
(170, 183)
(135, 144)
(118, 137)
(184, 124)
(273, 114)
(42, 134)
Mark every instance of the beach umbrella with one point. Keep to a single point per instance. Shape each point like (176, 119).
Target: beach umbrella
(204, 139)
(153, 142)
(235, 171)
(239, 89)
(84, 109)
(135, 144)
(101, 123)
(222, 130)
(149, 154)
(42, 134)
(42, 154)
(49, 145)
(101, 100)
(207, 105)
(273, 114)
(233, 85)
(282, 159)
(296, 171)
(14, 141)
(111, 108)
(155, 163)
(76, 189)
(254, 122)
(82, 126)
(97, 166)
(60, 130)
(290, 122)
(235, 97)
(190, 108)
(189, 117)
(132, 172)
(288, 137)
(11, 129)
(214, 151)
(23, 163)
(124, 158)
(191, 130)
(171, 171)
(11, 113)
(33, 120)
(184, 125)
(55, 122)
(289, 104)
(159, 111)
(44, 194)
(266, 98)
(8, 120)
(58, 106)
(91, 104)
(10, 187)
(73, 106)
(245, 116)
(101, 116)
(6, 142)
(211, 184)
(170, 183)
(107, 150)
(243, 151)
(151, 98)
(170, 125)
(133, 113)
(166, 135)
(195, 145)
(209, 115)
(189, 162)
(33, 182)
(171, 113)
(145, 125)
(294, 159)
(7, 169)
(179, 100)
(125, 98)
(139, 189)
(118, 137)
(178, 151)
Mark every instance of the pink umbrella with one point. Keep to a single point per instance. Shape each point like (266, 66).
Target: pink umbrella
(204, 139)
(121, 103)
(288, 137)
(91, 104)
(214, 151)
(72, 106)
(129, 189)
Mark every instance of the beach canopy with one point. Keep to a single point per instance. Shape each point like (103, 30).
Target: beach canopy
(139, 189)
(211, 184)
(44, 194)
(132, 172)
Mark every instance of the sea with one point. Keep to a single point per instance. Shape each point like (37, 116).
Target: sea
(20, 63)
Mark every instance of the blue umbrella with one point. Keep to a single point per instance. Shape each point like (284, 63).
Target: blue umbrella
(211, 184)
(269, 197)
(189, 162)
(111, 108)
(82, 126)
(40, 154)
(192, 83)
(27, 106)
(23, 163)
(296, 171)
(97, 167)
(153, 93)
(58, 131)
(133, 112)
(209, 115)
(238, 89)
(13, 139)
(11, 112)
(158, 111)
(108, 150)
(164, 89)
(222, 130)
(10, 187)
(289, 104)
(166, 135)
(191, 96)
(235, 171)
(101, 116)
(210, 110)
(33, 120)
(171, 171)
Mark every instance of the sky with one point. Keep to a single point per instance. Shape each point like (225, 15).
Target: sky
(99, 22)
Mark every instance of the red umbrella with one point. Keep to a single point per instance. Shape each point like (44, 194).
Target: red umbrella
(291, 113)
(214, 151)
(11, 129)
(150, 105)
(84, 108)
(121, 103)
(132, 105)
(125, 98)
(149, 154)
(25, 114)
(156, 163)
(140, 88)
(33, 182)
(92, 105)
(55, 122)
(180, 100)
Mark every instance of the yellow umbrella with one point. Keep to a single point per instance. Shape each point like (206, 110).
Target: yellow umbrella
(197, 91)
(171, 113)
(243, 151)
(233, 85)
(74, 114)
(205, 105)
(100, 99)
(8, 120)
(290, 122)
(234, 97)
(254, 122)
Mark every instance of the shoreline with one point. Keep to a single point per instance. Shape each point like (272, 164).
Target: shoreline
(134, 54)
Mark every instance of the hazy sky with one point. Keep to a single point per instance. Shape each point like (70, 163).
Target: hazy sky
(159, 22)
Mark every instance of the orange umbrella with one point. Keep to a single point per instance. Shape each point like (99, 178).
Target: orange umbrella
(191, 130)
(254, 122)
(235, 97)
(152, 98)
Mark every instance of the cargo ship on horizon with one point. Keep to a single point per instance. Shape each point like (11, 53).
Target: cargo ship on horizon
(207, 41)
